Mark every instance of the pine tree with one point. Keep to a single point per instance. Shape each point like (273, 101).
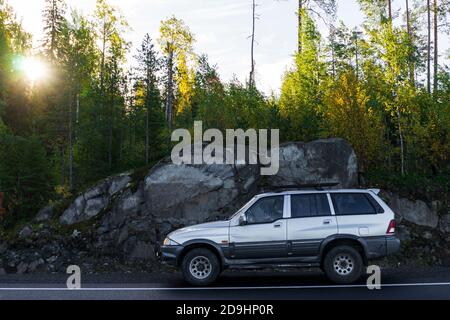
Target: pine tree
(53, 17)
(149, 66)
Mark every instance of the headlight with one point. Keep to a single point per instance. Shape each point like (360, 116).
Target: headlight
(168, 242)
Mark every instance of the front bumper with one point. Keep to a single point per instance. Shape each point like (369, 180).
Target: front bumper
(169, 254)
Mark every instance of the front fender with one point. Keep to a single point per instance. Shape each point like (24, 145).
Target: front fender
(198, 243)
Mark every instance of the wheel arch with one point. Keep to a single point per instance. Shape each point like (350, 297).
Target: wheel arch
(342, 240)
(202, 244)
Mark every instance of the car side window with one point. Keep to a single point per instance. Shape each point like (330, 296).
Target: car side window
(266, 210)
(352, 204)
(309, 205)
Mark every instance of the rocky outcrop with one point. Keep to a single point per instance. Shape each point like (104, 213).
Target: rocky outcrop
(324, 161)
(123, 217)
(417, 212)
(116, 224)
(89, 204)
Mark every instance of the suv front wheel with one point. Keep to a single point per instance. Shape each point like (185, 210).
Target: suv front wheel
(200, 267)
(343, 265)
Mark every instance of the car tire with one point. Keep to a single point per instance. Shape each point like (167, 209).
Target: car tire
(200, 267)
(343, 265)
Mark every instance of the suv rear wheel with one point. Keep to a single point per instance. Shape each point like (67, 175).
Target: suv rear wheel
(200, 267)
(343, 265)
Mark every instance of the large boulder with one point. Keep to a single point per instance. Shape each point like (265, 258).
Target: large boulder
(322, 161)
(195, 194)
(414, 211)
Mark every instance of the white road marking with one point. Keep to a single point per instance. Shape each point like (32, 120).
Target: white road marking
(231, 288)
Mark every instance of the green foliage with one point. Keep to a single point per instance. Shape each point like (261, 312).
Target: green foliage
(25, 176)
(348, 115)
(92, 117)
(301, 92)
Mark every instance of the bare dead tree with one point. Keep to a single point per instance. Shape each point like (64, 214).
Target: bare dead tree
(429, 47)
(436, 46)
(252, 71)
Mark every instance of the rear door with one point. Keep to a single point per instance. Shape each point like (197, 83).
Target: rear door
(311, 221)
(359, 214)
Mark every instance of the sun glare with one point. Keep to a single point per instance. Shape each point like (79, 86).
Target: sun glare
(33, 68)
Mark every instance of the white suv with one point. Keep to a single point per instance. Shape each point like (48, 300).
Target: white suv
(336, 230)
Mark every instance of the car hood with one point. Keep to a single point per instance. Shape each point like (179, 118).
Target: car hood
(206, 231)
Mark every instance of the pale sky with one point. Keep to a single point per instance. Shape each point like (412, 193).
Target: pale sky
(221, 27)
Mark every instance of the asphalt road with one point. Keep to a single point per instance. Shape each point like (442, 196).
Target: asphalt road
(398, 283)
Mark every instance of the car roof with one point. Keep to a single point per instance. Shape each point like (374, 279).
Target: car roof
(310, 191)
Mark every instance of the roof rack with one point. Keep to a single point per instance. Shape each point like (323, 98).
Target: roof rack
(313, 186)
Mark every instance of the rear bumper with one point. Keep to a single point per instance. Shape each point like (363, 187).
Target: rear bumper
(380, 247)
(392, 245)
(169, 254)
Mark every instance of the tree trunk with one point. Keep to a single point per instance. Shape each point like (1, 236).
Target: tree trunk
(436, 46)
(63, 166)
(252, 72)
(356, 56)
(71, 144)
(111, 122)
(300, 25)
(102, 66)
(147, 115)
(333, 54)
(169, 103)
(410, 35)
(110, 132)
(429, 48)
(147, 135)
(402, 144)
(390, 10)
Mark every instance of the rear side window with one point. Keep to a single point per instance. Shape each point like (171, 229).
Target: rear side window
(309, 205)
(353, 204)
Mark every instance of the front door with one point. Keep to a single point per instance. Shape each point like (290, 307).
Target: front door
(264, 235)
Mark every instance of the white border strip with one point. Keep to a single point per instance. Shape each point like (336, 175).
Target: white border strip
(231, 288)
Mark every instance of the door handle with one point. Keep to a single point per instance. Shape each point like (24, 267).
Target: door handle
(277, 225)
(327, 222)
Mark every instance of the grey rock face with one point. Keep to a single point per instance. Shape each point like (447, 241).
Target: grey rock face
(25, 232)
(3, 247)
(44, 215)
(91, 203)
(417, 212)
(196, 193)
(445, 223)
(322, 161)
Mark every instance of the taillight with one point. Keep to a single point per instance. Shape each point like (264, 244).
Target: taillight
(391, 228)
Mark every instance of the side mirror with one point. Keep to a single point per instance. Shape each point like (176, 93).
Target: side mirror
(242, 220)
